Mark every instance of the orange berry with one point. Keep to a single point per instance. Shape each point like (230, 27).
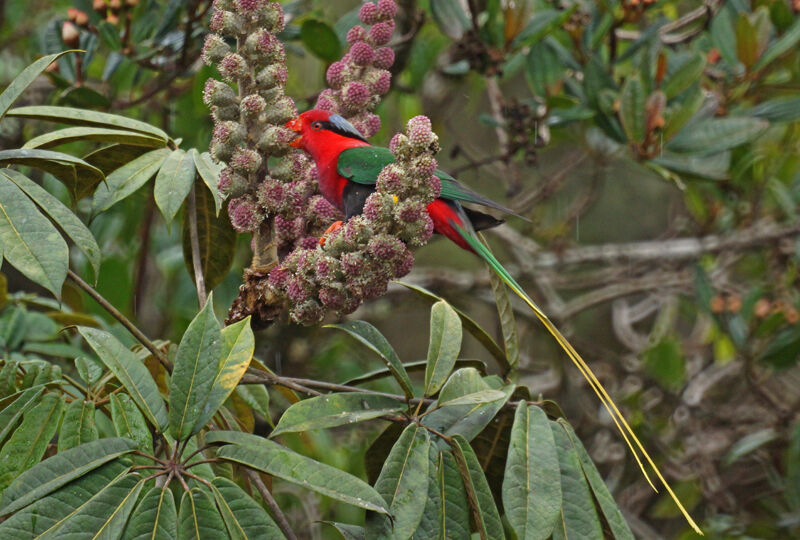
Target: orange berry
(717, 304)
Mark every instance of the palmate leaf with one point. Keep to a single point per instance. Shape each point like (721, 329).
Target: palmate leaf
(129, 422)
(127, 179)
(244, 517)
(531, 484)
(237, 348)
(93, 134)
(131, 372)
(78, 425)
(12, 413)
(173, 183)
(84, 117)
(155, 518)
(30, 242)
(63, 216)
(332, 410)
(14, 90)
(27, 444)
(403, 484)
(196, 366)
(443, 347)
(198, 518)
(60, 469)
(77, 175)
(113, 156)
(43, 518)
(481, 501)
(375, 341)
(269, 457)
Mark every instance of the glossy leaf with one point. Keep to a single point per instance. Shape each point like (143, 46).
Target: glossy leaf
(331, 410)
(104, 516)
(479, 495)
(173, 183)
(63, 216)
(129, 422)
(29, 241)
(198, 518)
(443, 347)
(216, 239)
(83, 117)
(237, 345)
(374, 340)
(27, 444)
(403, 484)
(209, 172)
(78, 425)
(155, 518)
(127, 179)
(93, 134)
(60, 469)
(272, 458)
(129, 371)
(14, 90)
(244, 517)
(717, 134)
(196, 366)
(531, 484)
(455, 507)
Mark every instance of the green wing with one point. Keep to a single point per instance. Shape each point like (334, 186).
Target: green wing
(363, 164)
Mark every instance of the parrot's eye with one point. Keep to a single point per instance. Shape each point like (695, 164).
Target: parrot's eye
(316, 126)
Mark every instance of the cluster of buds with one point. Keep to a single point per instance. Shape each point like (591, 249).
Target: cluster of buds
(249, 124)
(113, 10)
(361, 77)
(357, 261)
(70, 29)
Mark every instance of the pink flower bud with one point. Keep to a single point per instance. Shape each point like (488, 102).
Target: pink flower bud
(253, 104)
(244, 214)
(384, 58)
(381, 33)
(336, 74)
(355, 94)
(368, 13)
(233, 67)
(356, 33)
(362, 54)
(387, 8)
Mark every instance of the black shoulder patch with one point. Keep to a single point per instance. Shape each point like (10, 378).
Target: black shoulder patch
(339, 125)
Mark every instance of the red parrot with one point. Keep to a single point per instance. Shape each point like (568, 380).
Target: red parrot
(348, 168)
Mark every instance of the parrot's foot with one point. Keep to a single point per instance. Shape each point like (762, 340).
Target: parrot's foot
(334, 226)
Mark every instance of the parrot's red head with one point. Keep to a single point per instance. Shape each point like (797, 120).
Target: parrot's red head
(320, 130)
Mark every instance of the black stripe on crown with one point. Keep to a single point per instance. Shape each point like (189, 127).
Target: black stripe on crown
(339, 125)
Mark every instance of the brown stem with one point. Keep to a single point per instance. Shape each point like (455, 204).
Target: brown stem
(197, 265)
(114, 312)
(141, 259)
(277, 513)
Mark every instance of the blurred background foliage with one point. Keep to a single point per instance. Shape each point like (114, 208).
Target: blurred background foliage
(655, 145)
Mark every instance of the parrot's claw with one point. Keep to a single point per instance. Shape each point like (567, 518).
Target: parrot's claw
(334, 226)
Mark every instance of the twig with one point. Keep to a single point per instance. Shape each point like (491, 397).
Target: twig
(197, 265)
(114, 312)
(277, 513)
(495, 96)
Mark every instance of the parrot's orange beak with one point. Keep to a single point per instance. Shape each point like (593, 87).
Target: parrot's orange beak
(296, 125)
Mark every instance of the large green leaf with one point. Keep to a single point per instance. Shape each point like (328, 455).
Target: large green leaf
(686, 72)
(93, 134)
(787, 42)
(479, 495)
(27, 444)
(173, 183)
(374, 340)
(60, 469)
(14, 90)
(43, 518)
(336, 410)
(244, 517)
(321, 40)
(431, 522)
(579, 517)
(155, 518)
(455, 508)
(508, 324)
(632, 112)
(209, 172)
(63, 216)
(444, 346)
(128, 178)
(131, 372)
(717, 134)
(29, 241)
(450, 17)
(77, 175)
(111, 157)
(781, 109)
(347, 531)
(104, 516)
(198, 518)
(469, 324)
(216, 239)
(11, 414)
(78, 425)
(84, 117)
(611, 512)
(531, 484)
(196, 366)
(129, 422)
(714, 166)
(272, 458)
(403, 483)
(237, 348)
(540, 25)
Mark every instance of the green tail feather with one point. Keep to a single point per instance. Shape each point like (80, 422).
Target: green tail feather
(622, 425)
